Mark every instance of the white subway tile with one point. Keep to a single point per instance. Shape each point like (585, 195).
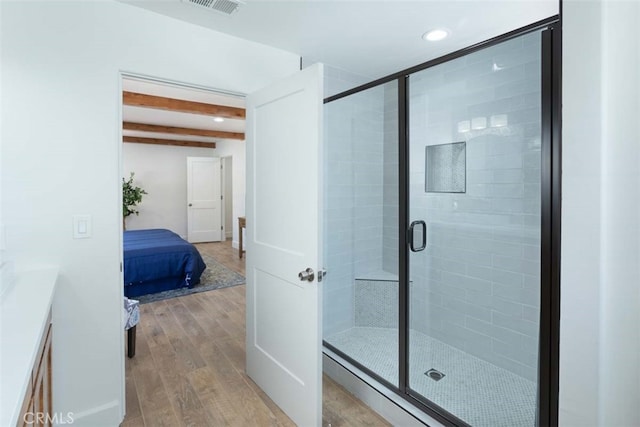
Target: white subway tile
(515, 324)
(506, 307)
(531, 313)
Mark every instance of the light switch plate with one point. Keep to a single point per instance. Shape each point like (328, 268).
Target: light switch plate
(81, 226)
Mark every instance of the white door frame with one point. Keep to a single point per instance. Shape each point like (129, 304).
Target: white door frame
(227, 196)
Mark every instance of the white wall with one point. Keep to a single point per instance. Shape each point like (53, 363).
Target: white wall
(235, 150)
(162, 172)
(61, 150)
(4, 276)
(620, 286)
(600, 301)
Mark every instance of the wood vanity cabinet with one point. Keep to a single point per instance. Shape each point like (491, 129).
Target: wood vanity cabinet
(37, 409)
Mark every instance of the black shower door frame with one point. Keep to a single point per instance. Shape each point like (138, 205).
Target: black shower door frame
(551, 151)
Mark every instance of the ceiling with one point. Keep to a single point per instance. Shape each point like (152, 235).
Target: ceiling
(368, 38)
(172, 118)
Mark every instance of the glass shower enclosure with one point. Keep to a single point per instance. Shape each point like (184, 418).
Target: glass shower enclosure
(445, 312)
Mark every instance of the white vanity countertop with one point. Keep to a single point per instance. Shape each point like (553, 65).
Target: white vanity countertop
(23, 314)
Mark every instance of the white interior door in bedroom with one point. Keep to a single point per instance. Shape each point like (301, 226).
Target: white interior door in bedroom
(283, 217)
(204, 204)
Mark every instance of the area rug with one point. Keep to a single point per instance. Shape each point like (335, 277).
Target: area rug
(216, 276)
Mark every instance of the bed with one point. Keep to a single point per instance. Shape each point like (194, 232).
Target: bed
(158, 260)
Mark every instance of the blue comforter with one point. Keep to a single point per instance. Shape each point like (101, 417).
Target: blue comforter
(158, 255)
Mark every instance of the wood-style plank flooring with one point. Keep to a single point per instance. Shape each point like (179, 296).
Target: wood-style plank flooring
(189, 365)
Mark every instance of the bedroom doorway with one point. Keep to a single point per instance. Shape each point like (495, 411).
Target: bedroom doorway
(162, 123)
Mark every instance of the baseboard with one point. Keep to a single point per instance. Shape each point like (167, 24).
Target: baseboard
(235, 244)
(384, 402)
(229, 235)
(103, 415)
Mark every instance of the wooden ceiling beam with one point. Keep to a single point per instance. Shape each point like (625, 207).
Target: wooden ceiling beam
(181, 105)
(157, 141)
(143, 127)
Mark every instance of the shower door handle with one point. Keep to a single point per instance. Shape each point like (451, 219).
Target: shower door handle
(412, 245)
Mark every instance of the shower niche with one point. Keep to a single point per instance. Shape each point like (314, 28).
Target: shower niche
(446, 168)
(455, 328)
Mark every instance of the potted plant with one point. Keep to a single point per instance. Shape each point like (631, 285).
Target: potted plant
(131, 196)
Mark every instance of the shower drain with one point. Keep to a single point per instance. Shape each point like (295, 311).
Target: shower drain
(434, 374)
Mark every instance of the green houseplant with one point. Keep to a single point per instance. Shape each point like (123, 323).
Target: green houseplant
(131, 196)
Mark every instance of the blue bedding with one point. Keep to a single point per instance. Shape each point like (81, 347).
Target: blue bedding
(157, 260)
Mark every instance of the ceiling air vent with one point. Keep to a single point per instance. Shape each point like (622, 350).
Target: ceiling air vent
(226, 7)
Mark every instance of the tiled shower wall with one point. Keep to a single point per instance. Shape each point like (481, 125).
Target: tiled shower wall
(476, 286)
(391, 201)
(337, 81)
(353, 200)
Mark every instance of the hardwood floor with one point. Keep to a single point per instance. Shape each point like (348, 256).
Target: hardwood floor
(224, 254)
(189, 365)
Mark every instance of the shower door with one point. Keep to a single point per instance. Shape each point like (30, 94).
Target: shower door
(474, 241)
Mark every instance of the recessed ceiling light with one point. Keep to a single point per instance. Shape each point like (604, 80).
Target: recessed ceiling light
(218, 119)
(435, 35)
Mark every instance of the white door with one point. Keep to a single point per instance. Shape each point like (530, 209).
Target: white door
(204, 204)
(284, 324)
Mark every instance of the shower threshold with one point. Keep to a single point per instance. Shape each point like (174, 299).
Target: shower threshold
(472, 389)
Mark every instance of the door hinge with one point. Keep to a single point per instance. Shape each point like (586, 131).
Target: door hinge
(120, 267)
(221, 227)
(220, 197)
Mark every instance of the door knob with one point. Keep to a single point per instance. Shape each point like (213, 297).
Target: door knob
(306, 275)
(190, 205)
